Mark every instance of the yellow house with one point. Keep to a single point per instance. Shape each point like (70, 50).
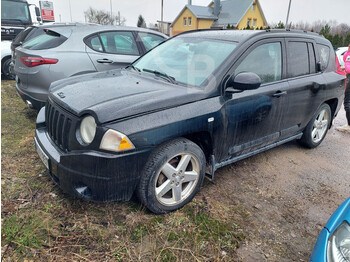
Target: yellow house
(218, 14)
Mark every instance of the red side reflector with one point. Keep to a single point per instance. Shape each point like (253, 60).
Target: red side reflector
(35, 61)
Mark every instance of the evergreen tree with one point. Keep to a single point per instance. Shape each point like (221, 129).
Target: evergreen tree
(141, 22)
(280, 25)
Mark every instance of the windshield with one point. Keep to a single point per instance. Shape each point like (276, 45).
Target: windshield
(187, 60)
(17, 11)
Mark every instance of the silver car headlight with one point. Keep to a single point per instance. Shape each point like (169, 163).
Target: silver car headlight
(115, 141)
(338, 249)
(88, 129)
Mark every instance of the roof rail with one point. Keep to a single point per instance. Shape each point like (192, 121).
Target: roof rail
(199, 30)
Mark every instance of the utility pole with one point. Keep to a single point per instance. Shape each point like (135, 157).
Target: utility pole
(110, 2)
(161, 18)
(290, 1)
(70, 12)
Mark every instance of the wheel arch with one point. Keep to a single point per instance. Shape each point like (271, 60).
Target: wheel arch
(204, 141)
(333, 104)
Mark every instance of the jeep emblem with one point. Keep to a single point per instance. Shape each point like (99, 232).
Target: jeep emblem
(61, 95)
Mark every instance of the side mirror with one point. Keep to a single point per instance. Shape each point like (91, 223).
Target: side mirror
(37, 11)
(243, 81)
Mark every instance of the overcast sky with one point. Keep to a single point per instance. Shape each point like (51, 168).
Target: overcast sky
(274, 10)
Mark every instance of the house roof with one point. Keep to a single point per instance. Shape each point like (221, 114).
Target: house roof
(233, 11)
(203, 12)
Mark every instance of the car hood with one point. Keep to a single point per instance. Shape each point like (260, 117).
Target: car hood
(117, 94)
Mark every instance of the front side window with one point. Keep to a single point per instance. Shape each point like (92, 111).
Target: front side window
(189, 21)
(265, 61)
(150, 40)
(189, 60)
(298, 59)
(185, 21)
(119, 43)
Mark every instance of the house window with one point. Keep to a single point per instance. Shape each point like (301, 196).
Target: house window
(189, 21)
(254, 23)
(185, 21)
(248, 22)
(253, 7)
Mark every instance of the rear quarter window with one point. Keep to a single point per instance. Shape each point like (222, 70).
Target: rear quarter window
(323, 53)
(150, 40)
(47, 40)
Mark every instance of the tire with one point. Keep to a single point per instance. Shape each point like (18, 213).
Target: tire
(317, 128)
(172, 176)
(5, 69)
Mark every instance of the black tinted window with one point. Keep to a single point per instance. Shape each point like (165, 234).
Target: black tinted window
(265, 61)
(298, 59)
(46, 40)
(323, 52)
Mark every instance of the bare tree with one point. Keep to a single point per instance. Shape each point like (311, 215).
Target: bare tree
(98, 16)
(119, 20)
(102, 17)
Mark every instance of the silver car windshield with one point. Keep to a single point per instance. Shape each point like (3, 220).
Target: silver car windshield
(187, 60)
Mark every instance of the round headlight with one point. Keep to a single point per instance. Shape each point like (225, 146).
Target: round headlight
(88, 129)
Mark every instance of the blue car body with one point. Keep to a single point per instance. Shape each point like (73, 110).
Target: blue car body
(342, 214)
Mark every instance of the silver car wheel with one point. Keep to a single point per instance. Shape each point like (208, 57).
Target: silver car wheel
(320, 126)
(177, 179)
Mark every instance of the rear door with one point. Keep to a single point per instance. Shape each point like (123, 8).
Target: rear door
(305, 84)
(112, 49)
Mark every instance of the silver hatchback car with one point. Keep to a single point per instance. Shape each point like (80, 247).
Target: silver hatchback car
(68, 50)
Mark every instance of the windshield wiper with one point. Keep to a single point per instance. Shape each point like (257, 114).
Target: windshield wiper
(157, 73)
(133, 67)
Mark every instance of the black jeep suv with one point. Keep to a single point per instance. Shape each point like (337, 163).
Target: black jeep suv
(195, 103)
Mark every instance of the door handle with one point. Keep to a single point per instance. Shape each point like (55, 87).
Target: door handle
(279, 93)
(104, 61)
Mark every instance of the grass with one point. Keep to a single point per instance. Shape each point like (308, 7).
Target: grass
(41, 223)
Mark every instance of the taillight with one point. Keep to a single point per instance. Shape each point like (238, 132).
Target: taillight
(35, 61)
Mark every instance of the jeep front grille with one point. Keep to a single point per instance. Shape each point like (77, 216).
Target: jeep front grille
(58, 126)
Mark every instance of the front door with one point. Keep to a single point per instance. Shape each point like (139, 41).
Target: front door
(254, 117)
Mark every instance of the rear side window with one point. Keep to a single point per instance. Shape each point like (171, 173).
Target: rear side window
(47, 40)
(150, 40)
(298, 59)
(265, 61)
(323, 52)
(119, 43)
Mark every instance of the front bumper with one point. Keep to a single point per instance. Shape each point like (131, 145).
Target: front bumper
(90, 174)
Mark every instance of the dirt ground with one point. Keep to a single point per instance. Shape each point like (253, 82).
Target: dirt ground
(289, 193)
